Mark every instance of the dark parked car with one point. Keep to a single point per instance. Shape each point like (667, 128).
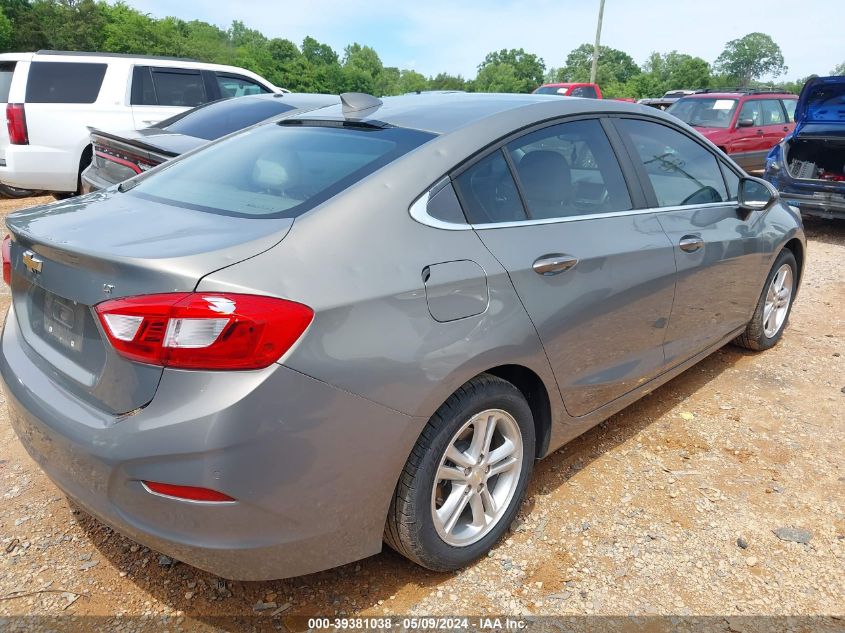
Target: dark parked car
(367, 322)
(122, 155)
(667, 99)
(744, 125)
(808, 167)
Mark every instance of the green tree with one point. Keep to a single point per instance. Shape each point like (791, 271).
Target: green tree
(614, 66)
(751, 57)
(410, 81)
(445, 81)
(5, 32)
(499, 77)
(511, 70)
(669, 71)
(838, 70)
(317, 53)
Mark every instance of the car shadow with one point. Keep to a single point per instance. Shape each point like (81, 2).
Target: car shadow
(385, 583)
(825, 231)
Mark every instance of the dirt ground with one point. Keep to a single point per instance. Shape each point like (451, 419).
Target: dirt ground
(674, 506)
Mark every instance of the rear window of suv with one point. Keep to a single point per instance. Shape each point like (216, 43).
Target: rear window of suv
(277, 170)
(64, 82)
(7, 69)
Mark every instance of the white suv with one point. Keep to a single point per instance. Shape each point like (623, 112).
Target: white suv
(51, 98)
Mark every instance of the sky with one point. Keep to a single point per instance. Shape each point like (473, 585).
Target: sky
(454, 36)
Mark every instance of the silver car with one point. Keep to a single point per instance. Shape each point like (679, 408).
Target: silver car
(364, 324)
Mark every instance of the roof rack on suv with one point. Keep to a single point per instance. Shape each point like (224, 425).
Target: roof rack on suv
(99, 54)
(744, 91)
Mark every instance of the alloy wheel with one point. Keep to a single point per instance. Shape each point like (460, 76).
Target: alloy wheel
(778, 299)
(477, 477)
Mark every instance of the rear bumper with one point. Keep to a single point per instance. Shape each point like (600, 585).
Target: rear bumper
(91, 180)
(824, 205)
(312, 468)
(40, 168)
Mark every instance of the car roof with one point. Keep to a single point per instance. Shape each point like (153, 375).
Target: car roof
(445, 113)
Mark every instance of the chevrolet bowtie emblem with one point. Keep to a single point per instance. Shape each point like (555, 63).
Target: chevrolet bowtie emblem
(32, 263)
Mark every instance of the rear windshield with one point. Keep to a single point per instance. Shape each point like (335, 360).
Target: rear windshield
(700, 112)
(224, 117)
(277, 170)
(64, 82)
(7, 69)
(551, 90)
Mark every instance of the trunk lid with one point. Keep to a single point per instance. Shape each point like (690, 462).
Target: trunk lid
(69, 256)
(821, 104)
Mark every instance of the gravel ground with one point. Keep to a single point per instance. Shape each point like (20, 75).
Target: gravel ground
(722, 493)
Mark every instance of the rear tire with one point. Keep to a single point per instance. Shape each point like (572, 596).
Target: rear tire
(774, 306)
(14, 193)
(465, 478)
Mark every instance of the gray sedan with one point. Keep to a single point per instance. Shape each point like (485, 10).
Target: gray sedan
(364, 324)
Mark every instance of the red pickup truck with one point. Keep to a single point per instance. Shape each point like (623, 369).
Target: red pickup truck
(571, 89)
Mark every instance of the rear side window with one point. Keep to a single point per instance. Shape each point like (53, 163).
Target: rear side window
(238, 86)
(569, 169)
(64, 82)
(588, 92)
(179, 87)
(681, 171)
(7, 69)
(174, 87)
(277, 170)
(224, 117)
(488, 192)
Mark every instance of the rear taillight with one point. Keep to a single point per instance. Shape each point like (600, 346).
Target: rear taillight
(203, 330)
(126, 159)
(7, 259)
(16, 124)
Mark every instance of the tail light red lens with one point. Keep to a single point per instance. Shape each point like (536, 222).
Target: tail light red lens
(7, 259)
(16, 124)
(188, 493)
(203, 330)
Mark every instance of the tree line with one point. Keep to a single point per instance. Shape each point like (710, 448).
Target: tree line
(312, 66)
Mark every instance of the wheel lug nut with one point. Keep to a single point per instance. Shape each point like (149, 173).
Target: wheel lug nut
(487, 470)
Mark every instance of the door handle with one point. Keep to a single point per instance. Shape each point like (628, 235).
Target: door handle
(759, 132)
(554, 264)
(690, 243)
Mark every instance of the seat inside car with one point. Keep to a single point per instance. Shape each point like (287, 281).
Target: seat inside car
(546, 182)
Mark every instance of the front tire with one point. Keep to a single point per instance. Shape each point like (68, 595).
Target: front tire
(774, 306)
(465, 478)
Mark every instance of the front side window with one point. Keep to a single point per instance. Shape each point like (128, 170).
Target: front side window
(789, 105)
(176, 87)
(751, 112)
(64, 82)
(681, 171)
(237, 86)
(569, 169)
(489, 193)
(772, 112)
(276, 170)
(704, 112)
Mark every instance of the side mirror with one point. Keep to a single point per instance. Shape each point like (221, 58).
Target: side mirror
(756, 194)
(745, 123)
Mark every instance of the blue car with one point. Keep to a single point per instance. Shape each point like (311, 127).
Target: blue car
(808, 166)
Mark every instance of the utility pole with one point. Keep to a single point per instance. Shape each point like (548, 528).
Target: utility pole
(595, 67)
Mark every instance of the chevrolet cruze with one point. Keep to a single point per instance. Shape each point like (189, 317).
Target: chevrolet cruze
(364, 323)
